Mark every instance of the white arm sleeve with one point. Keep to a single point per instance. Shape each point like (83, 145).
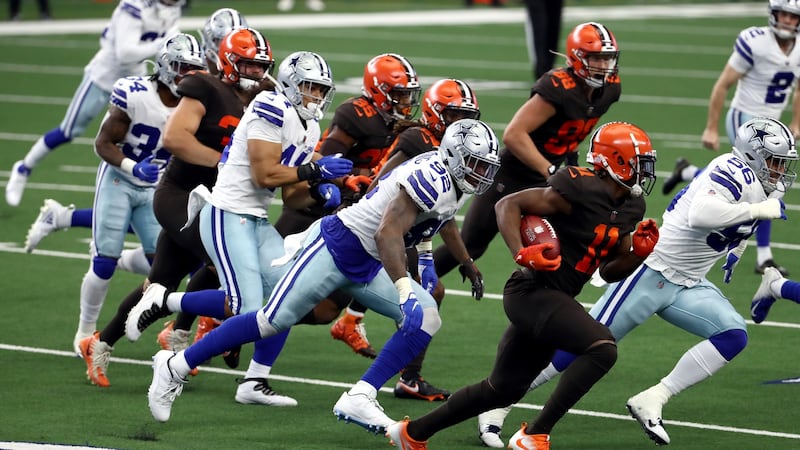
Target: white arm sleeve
(715, 211)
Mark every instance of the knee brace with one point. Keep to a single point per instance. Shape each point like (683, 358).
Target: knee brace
(729, 343)
(104, 267)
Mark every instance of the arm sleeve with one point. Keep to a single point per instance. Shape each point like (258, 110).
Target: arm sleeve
(714, 211)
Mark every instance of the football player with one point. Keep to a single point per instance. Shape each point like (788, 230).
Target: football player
(539, 299)
(130, 143)
(362, 129)
(136, 31)
(711, 219)
(765, 67)
(360, 250)
(217, 26)
(773, 286)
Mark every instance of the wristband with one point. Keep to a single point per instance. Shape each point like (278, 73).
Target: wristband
(403, 286)
(425, 246)
(127, 165)
(310, 171)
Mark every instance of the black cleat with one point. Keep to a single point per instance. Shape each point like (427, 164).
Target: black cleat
(675, 178)
(418, 388)
(771, 263)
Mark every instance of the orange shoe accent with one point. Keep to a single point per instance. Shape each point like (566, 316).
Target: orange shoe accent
(398, 437)
(350, 330)
(524, 441)
(204, 326)
(163, 335)
(96, 364)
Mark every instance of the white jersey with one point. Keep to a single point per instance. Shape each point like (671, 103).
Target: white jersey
(769, 74)
(136, 31)
(685, 252)
(138, 98)
(429, 185)
(269, 117)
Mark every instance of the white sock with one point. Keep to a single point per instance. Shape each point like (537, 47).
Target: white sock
(36, 154)
(362, 387)
(174, 301)
(763, 254)
(134, 261)
(697, 364)
(93, 294)
(86, 328)
(257, 370)
(688, 173)
(179, 365)
(544, 376)
(354, 313)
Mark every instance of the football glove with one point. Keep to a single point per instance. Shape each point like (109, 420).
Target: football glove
(146, 171)
(427, 271)
(475, 277)
(533, 257)
(412, 314)
(357, 183)
(645, 238)
(326, 168)
(326, 193)
(732, 259)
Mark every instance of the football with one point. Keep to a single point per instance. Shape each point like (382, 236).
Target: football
(537, 230)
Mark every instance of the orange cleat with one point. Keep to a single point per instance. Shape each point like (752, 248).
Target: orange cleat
(175, 340)
(97, 354)
(204, 326)
(350, 330)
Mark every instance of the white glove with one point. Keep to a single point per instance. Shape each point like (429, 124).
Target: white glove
(771, 208)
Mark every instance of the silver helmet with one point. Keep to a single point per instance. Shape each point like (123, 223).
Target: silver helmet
(179, 54)
(218, 25)
(789, 6)
(469, 149)
(297, 74)
(768, 147)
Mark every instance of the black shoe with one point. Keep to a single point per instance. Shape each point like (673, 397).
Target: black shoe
(770, 263)
(675, 178)
(418, 388)
(231, 357)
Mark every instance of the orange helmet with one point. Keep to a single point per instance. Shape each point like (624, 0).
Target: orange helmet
(625, 152)
(445, 102)
(391, 82)
(587, 40)
(244, 45)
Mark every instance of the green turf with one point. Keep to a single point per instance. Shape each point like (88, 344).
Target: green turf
(667, 68)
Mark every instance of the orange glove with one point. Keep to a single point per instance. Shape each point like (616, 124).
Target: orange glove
(355, 182)
(645, 238)
(533, 257)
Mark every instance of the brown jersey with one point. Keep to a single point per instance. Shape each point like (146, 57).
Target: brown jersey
(575, 117)
(372, 133)
(591, 231)
(224, 108)
(414, 141)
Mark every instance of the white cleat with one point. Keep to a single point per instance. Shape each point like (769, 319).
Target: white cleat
(51, 218)
(362, 410)
(16, 183)
(165, 387)
(315, 5)
(524, 441)
(257, 391)
(285, 5)
(490, 424)
(151, 307)
(645, 407)
(764, 297)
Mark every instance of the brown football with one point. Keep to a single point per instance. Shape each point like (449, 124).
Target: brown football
(537, 230)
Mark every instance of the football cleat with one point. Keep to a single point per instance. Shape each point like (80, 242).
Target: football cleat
(398, 437)
(363, 411)
(524, 441)
(490, 424)
(764, 297)
(676, 177)
(151, 307)
(420, 389)
(96, 353)
(315, 5)
(16, 183)
(645, 407)
(231, 357)
(204, 326)
(258, 391)
(175, 340)
(771, 263)
(165, 387)
(48, 221)
(351, 331)
(76, 342)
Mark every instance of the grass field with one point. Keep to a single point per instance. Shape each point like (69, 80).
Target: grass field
(668, 67)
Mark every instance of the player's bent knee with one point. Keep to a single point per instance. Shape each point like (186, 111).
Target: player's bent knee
(603, 353)
(104, 267)
(729, 343)
(431, 321)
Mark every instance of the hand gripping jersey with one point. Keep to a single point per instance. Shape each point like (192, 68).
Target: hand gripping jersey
(223, 111)
(426, 180)
(135, 32)
(685, 253)
(576, 115)
(591, 231)
(770, 74)
(270, 117)
(138, 98)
